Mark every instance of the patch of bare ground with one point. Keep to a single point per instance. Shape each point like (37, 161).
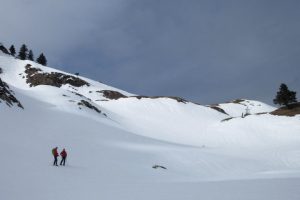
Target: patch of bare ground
(292, 110)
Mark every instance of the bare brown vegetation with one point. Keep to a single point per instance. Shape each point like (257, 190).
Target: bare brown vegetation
(292, 110)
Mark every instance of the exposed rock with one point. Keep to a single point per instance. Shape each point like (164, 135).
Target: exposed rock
(73, 88)
(88, 105)
(178, 99)
(1, 71)
(227, 119)
(36, 76)
(110, 94)
(215, 107)
(292, 110)
(114, 95)
(158, 166)
(237, 101)
(3, 49)
(261, 113)
(7, 96)
(80, 95)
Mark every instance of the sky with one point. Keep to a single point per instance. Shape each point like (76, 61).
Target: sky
(206, 51)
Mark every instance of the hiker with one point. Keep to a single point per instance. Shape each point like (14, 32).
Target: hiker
(63, 157)
(55, 154)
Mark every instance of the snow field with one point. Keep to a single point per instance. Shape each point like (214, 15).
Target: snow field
(111, 157)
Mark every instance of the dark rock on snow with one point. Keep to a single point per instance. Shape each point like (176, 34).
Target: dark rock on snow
(215, 107)
(36, 76)
(115, 95)
(7, 96)
(3, 49)
(88, 105)
(178, 99)
(110, 94)
(158, 166)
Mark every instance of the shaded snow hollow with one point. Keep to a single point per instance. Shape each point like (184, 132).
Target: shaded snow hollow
(112, 152)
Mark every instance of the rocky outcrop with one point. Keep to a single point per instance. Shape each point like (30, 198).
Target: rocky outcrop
(115, 95)
(3, 49)
(7, 96)
(110, 94)
(215, 107)
(158, 167)
(88, 105)
(35, 77)
(237, 101)
(178, 99)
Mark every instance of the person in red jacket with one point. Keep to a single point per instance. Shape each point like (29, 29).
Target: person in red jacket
(55, 154)
(63, 155)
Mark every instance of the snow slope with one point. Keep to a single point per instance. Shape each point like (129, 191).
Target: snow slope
(111, 153)
(241, 107)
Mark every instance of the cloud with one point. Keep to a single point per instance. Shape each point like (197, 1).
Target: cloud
(206, 51)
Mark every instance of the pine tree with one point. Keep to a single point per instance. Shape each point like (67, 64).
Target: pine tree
(12, 50)
(42, 60)
(30, 55)
(285, 96)
(23, 52)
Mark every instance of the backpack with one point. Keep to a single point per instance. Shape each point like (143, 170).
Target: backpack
(54, 152)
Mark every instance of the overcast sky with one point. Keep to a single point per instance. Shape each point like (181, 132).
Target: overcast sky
(207, 51)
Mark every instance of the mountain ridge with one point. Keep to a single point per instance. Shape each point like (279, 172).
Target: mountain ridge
(115, 141)
(41, 75)
(138, 114)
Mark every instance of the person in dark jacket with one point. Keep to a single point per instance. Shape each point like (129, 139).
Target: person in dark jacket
(55, 154)
(63, 155)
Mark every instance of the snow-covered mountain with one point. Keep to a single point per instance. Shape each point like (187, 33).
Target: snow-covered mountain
(115, 138)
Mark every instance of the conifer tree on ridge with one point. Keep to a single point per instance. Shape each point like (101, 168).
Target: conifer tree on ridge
(23, 53)
(12, 50)
(30, 56)
(42, 59)
(285, 96)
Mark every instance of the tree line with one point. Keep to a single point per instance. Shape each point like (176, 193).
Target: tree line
(26, 54)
